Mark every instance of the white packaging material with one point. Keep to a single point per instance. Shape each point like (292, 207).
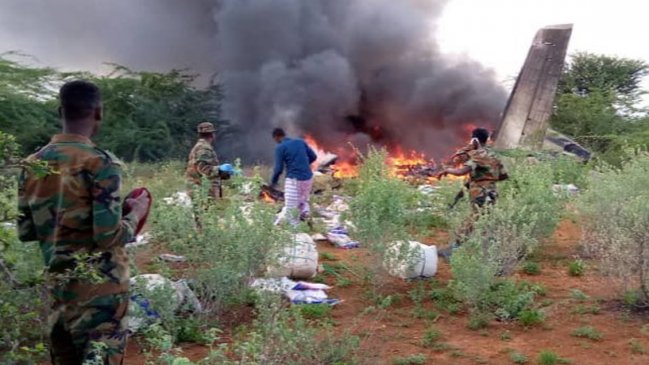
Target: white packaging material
(139, 311)
(172, 258)
(567, 189)
(420, 260)
(318, 237)
(140, 240)
(299, 259)
(306, 296)
(428, 189)
(339, 204)
(180, 198)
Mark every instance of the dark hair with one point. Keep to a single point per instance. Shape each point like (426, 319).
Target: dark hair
(78, 99)
(481, 134)
(279, 132)
(206, 135)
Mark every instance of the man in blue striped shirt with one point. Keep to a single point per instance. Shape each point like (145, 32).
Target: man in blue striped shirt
(296, 157)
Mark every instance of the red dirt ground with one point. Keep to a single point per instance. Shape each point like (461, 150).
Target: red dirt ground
(395, 332)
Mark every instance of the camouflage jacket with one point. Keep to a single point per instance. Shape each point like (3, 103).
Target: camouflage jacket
(485, 166)
(75, 213)
(202, 162)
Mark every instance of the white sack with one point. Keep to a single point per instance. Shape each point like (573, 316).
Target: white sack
(421, 260)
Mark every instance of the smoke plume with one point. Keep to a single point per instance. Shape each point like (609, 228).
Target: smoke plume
(361, 71)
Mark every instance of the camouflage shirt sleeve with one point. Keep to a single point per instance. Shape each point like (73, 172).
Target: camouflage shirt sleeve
(207, 163)
(110, 229)
(26, 227)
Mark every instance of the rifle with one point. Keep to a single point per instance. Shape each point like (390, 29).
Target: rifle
(458, 196)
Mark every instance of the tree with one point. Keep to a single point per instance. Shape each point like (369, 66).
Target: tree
(620, 77)
(597, 103)
(147, 116)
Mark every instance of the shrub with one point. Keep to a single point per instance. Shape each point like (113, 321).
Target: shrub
(616, 223)
(280, 336)
(550, 358)
(381, 208)
(587, 332)
(532, 268)
(518, 358)
(576, 268)
(418, 359)
(431, 336)
(530, 317)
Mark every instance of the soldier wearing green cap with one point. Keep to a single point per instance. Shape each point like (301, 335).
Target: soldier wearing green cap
(203, 164)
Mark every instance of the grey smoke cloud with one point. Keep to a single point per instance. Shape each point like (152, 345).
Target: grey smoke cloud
(304, 65)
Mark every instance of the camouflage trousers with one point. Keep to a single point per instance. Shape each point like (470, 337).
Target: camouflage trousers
(200, 203)
(480, 195)
(92, 331)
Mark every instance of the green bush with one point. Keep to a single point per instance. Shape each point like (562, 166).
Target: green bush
(382, 209)
(518, 358)
(548, 358)
(587, 332)
(280, 336)
(22, 304)
(616, 223)
(418, 359)
(576, 268)
(530, 317)
(431, 337)
(532, 268)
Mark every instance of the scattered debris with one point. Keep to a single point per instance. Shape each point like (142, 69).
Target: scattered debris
(318, 237)
(180, 198)
(411, 261)
(427, 189)
(8, 225)
(340, 238)
(172, 258)
(141, 311)
(297, 292)
(140, 240)
(299, 260)
(567, 189)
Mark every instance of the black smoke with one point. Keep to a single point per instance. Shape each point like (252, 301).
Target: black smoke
(365, 71)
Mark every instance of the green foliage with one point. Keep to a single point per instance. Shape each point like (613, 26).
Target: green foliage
(147, 116)
(615, 223)
(532, 268)
(637, 347)
(315, 311)
(518, 358)
(620, 77)
(505, 234)
(431, 337)
(547, 357)
(578, 295)
(576, 268)
(380, 209)
(587, 332)
(21, 279)
(597, 104)
(280, 336)
(530, 317)
(417, 359)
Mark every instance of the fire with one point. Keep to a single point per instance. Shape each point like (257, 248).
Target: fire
(265, 197)
(400, 164)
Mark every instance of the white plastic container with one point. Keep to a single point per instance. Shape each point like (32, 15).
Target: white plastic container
(299, 259)
(421, 262)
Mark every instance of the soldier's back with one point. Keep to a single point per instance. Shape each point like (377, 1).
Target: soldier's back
(61, 201)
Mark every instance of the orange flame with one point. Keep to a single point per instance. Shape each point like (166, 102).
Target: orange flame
(400, 164)
(265, 197)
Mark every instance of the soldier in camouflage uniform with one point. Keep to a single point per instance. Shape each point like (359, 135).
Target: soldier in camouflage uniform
(203, 163)
(484, 169)
(75, 213)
